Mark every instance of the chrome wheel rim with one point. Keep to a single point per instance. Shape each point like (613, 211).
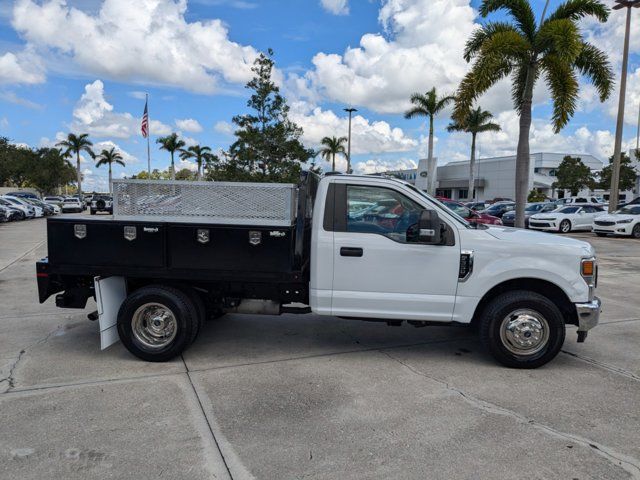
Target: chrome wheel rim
(524, 332)
(154, 325)
(565, 226)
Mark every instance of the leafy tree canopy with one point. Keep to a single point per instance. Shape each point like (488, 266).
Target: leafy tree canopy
(628, 174)
(267, 146)
(573, 175)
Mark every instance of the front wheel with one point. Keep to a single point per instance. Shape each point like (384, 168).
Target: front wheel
(565, 226)
(522, 329)
(635, 233)
(156, 323)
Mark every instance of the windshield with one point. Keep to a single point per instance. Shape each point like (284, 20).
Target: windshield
(569, 210)
(534, 207)
(457, 217)
(629, 210)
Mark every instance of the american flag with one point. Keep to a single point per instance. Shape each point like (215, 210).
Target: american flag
(144, 128)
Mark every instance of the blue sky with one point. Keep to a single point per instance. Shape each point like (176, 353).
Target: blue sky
(83, 65)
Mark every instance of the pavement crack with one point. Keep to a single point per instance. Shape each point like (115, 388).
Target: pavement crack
(38, 245)
(630, 464)
(10, 378)
(606, 366)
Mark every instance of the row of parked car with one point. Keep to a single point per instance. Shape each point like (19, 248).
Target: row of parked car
(563, 215)
(26, 205)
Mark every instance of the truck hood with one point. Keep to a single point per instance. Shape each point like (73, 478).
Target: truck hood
(527, 238)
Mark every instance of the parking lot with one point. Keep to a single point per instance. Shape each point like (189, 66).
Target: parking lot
(296, 397)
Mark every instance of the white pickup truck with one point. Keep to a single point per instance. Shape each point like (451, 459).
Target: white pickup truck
(356, 247)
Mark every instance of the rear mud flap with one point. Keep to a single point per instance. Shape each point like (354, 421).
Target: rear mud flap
(110, 293)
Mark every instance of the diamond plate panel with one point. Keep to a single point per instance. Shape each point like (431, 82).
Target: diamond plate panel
(271, 204)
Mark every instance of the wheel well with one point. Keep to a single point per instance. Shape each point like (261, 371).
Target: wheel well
(543, 287)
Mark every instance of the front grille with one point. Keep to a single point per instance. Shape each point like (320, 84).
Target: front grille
(604, 223)
(539, 224)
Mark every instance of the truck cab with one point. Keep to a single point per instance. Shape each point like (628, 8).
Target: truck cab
(358, 247)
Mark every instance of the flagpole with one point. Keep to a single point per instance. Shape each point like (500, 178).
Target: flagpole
(148, 135)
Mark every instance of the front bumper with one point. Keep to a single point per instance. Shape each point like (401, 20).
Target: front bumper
(588, 316)
(617, 229)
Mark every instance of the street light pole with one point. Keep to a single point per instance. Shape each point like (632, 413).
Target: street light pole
(350, 110)
(617, 149)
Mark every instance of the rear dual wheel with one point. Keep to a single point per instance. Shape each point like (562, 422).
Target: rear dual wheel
(157, 323)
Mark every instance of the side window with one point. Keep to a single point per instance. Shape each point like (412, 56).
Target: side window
(380, 210)
(581, 200)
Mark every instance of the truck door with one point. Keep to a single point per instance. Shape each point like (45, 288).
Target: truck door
(379, 274)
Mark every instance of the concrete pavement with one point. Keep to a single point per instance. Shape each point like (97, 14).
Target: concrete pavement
(311, 397)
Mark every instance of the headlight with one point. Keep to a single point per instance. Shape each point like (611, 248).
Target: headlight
(625, 221)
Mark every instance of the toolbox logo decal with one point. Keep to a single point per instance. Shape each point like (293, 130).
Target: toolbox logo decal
(130, 233)
(276, 233)
(203, 235)
(80, 231)
(150, 229)
(255, 238)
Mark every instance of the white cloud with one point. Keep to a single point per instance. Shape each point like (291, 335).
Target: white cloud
(225, 128)
(150, 41)
(11, 97)
(93, 114)
(188, 125)
(378, 165)
(22, 67)
(188, 164)
(337, 7)
(421, 47)
(108, 144)
(366, 136)
(137, 94)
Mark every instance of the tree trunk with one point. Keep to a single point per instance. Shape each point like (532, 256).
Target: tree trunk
(110, 178)
(333, 163)
(173, 168)
(523, 159)
(79, 174)
(472, 167)
(431, 170)
(199, 177)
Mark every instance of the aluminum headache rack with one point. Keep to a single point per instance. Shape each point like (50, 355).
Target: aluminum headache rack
(231, 203)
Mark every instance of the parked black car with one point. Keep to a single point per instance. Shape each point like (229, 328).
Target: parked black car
(499, 209)
(509, 218)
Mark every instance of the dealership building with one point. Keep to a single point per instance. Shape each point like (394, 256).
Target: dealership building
(495, 177)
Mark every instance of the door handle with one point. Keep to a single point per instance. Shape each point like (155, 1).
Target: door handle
(351, 251)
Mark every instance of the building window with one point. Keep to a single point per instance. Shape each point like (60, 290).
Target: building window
(463, 193)
(443, 192)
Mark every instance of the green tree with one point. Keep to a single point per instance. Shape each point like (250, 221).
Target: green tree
(109, 157)
(172, 144)
(184, 174)
(536, 195)
(267, 146)
(333, 146)
(526, 50)
(573, 175)
(155, 175)
(475, 121)
(201, 155)
(428, 105)
(628, 174)
(76, 144)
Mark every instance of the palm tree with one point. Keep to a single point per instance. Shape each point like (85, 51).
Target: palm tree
(109, 157)
(199, 154)
(332, 147)
(76, 144)
(428, 105)
(475, 122)
(526, 50)
(171, 143)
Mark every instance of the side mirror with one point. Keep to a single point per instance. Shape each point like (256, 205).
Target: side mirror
(429, 228)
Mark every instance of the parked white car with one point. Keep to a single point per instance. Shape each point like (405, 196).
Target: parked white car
(566, 219)
(625, 221)
(72, 205)
(581, 200)
(28, 209)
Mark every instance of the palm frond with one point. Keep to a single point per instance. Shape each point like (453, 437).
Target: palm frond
(481, 34)
(594, 64)
(561, 38)
(489, 127)
(563, 83)
(578, 9)
(520, 10)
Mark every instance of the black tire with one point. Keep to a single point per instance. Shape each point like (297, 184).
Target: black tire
(495, 337)
(93, 212)
(601, 234)
(565, 226)
(198, 303)
(185, 317)
(635, 233)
